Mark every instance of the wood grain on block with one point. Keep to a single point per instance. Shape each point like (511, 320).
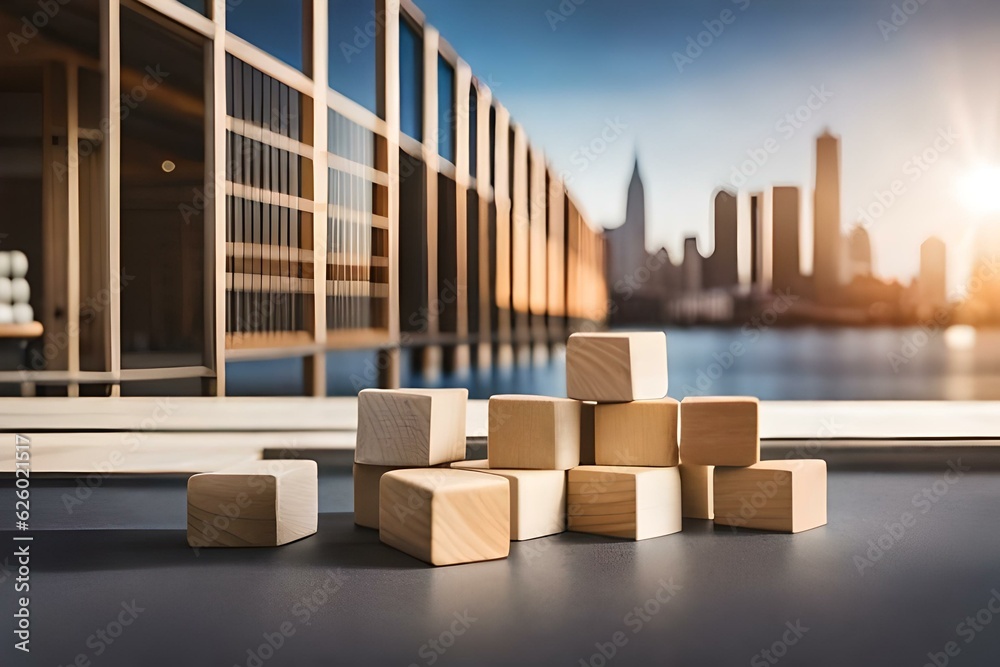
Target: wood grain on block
(444, 516)
(616, 367)
(533, 432)
(640, 433)
(697, 491)
(366, 485)
(411, 427)
(631, 502)
(537, 499)
(587, 454)
(787, 496)
(254, 504)
(720, 430)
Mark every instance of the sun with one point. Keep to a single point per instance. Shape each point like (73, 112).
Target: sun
(979, 189)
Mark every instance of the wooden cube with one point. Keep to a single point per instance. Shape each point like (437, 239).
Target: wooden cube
(587, 454)
(640, 433)
(533, 432)
(616, 367)
(411, 427)
(697, 491)
(720, 430)
(630, 502)
(537, 499)
(444, 516)
(254, 504)
(366, 486)
(787, 496)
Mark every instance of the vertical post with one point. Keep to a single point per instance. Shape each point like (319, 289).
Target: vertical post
(73, 227)
(387, 68)
(463, 82)
(111, 63)
(485, 192)
(316, 375)
(432, 355)
(502, 197)
(520, 248)
(216, 223)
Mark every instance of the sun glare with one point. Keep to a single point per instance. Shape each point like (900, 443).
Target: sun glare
(980, 189)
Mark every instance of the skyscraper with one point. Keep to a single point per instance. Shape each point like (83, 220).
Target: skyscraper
(785, 220)
(826, 219)
(691, 266)
(721, 268)
(627, 243)
(859, 253)
(933, 263)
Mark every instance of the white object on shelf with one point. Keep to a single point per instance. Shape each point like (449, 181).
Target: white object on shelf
(20, 290)
(6, 313)
(4, 264)
(23, 313)
(6, 295)
(18, 264)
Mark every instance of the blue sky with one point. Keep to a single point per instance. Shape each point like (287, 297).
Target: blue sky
(567, 71)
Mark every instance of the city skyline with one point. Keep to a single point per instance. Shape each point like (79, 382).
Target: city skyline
(890, 92)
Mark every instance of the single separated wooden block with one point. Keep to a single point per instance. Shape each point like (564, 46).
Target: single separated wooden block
(631, 502)
(537, 499)
(411, 427)
(640, 433)
(720, 430)
(366, 485)
(616, 367)
(254, 504)
(444, 516)
(787, 496)
(533, 432)
(697, 491)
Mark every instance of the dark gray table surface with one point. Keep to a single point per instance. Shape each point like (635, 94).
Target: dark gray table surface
(556, 601)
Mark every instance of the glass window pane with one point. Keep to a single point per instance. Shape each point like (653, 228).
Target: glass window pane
(446, 110)
(473, 131)
(162, 205)
(200, 6)
(411, 81)
(275, 27)
(353, 37)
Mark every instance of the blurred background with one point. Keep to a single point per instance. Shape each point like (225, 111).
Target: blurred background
(805, 197)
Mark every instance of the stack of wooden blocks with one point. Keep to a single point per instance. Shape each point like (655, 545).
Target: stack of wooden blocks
(617, 458)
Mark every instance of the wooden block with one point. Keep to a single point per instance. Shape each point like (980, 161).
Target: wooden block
(587, 454)
(640, 433)
(254, 504)
(411, 427)
(720, 430)
(616, 367)
(697, 491)
(366, 485)
(537, 499)
(470, 464)
(787, 496)
(444, 516)
(632, 502)
(533, 432)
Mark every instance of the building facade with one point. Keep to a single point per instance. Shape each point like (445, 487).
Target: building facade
(203, 182)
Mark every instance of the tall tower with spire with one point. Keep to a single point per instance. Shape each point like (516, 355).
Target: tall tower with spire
(627, 243)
